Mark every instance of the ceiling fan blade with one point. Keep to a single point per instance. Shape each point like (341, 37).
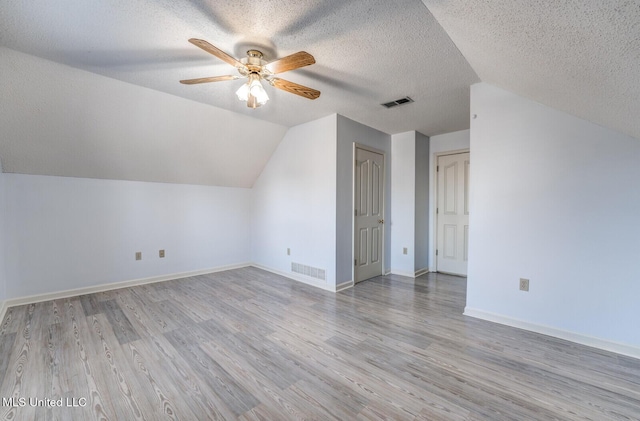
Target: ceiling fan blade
(209, 79)
(294, 61)
(216, 52)
(295, 88)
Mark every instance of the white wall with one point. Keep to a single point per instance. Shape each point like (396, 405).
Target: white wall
(554, 199)
(350, 132)
(422, 203)
(403, 189)
(448, 142)
(67, 233)
(58, 120)
(410, 203)
(294, 202)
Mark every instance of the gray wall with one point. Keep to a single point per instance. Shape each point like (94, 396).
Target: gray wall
(422, 203)
(349, 132)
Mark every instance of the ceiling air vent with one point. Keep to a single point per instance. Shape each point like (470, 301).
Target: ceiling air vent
(397, 102)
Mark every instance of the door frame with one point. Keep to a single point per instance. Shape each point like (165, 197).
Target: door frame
(436, 157)
(356, 146)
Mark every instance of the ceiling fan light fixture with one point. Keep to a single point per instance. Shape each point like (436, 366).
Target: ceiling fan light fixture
(252, 92)
(258, 91)
(243, 92)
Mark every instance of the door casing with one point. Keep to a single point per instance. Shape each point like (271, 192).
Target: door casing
(382, 207)
(436, 176)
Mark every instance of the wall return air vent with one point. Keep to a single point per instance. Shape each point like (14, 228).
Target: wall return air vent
(401, 101)
(309, 271)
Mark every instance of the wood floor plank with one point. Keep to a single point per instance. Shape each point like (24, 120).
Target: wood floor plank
(247, 344)
(99, 403)
(235, 396)
(189, 386)
(6, 345)
(272, 399)
(159, 391)
(12, 319)
(90, 304)
(109, 355)
(120, 323)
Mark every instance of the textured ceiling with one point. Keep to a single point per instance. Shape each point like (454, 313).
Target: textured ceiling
(579, 56)
(582, 57)
(367, 53)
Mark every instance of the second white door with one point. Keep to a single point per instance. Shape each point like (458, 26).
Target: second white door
(452, 214)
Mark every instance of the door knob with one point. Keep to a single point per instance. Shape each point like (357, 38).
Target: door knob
(380, 221)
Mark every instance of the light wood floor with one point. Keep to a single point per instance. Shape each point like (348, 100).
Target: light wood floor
(249, 345)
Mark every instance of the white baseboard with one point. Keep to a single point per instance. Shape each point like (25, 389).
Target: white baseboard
(415, 274)
(115, 285)
(403, 273)
(4, 305)
(344, 285)
(624, 349)
(421, 272)
(296, 277)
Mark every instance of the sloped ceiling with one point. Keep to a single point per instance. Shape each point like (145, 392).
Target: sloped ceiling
(367, 53)
(577, 56)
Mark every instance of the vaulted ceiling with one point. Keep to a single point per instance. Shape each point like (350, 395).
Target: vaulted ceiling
(582, 57)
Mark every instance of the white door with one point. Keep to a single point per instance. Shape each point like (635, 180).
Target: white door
(452, 213)
(369, 214)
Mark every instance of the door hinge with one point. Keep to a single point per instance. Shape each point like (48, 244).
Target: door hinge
(355, 212)
(437, 210)
(438, 168)
(355, 262)
(436, 252)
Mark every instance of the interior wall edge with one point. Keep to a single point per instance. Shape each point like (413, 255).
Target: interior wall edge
(604, 344)
(345, 285)
(299, 278)
(403, 273)
(31, 299)
(3, 310)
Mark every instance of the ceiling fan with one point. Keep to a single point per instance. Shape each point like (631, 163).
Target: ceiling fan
(254, 68)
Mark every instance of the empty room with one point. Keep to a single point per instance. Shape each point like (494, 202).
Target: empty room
(274, 210)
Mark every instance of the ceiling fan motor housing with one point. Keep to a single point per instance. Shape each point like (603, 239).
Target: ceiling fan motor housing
(253, 61)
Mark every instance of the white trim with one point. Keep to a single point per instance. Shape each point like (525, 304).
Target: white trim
(31, 299)
(296, 277)
(434, 173)
(452, 152)
(3, 310)
(619, 348)
(403, 273)
(421, 272)
(115, 285)
(344, 285)
(357, 146)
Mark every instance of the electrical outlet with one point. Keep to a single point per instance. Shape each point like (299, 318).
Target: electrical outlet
(161, 254)
(138, 255)
(524, 284)
(404, 250)
(288, 251)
